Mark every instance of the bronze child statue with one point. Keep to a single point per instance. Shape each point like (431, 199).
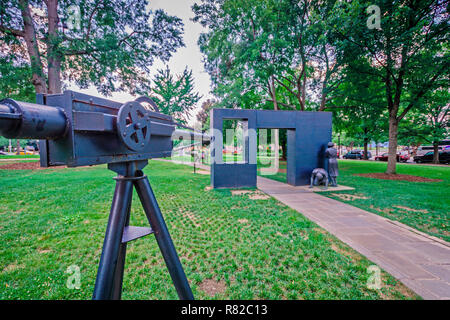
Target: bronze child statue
(319, 176)
(333, 171)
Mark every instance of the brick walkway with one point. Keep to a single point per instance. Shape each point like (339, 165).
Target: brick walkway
(420, 261)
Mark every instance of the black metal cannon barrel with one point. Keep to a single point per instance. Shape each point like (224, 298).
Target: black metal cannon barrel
(23, 120)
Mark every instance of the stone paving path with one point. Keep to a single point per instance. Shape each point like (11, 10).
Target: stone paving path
(420, 261)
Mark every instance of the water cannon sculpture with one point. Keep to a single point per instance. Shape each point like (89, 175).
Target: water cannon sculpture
(75, 130)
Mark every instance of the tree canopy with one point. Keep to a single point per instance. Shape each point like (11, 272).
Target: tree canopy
(109, 44)
(175, 95)
(371, 62)
(407, 53)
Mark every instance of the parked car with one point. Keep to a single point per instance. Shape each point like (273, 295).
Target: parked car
(357, 154)
(369, 154)
(385, 156)
(444, 157)
(422, 150)
(354, 154)
(403, 157)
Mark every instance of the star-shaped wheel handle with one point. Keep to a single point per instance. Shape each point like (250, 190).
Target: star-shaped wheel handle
(133, 125)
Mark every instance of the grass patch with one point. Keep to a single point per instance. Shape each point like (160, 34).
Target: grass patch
(19, 156)
(232, 247)
(421, 205)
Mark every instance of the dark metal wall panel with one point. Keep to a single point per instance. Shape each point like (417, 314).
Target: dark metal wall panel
(291, 172)
(216, 125)
(234, 113)
(313, 132)
(271, 119)
(233, 175)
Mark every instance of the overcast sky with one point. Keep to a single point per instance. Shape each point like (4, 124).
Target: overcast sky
(189, 55)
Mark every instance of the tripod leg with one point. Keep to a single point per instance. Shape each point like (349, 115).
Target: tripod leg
(113, 238)
(162, 235)
(118, 273)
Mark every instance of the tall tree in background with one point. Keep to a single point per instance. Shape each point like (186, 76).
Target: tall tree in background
(203, 114)
(436, 111)
(15, 83)
(276, 54)
(15, 80)
(106, 43)
(358, 105)
(407, 47)
(258, 52)
(431, 121)
(175, 96)
(241, 50)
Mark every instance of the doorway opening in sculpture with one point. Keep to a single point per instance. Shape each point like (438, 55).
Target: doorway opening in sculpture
(233, 140)
(272, 153)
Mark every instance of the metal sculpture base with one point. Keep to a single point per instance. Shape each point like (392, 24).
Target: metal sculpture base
(108, 285)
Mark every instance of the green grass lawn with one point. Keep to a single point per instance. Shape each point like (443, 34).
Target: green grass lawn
(252, 249)
(424, 206)
(19, 156)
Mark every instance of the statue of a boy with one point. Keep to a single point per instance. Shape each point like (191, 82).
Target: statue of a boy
(319, 176)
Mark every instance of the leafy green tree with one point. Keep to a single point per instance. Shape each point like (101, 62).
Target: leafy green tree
(270, 53)
(110, 44)
(260, 53)
(175, 96)
(239, 51)
(358, 106)
(15, 80)
(436, 119)
(406, 46)
(430, 123)
(15, 83)
(203, 114)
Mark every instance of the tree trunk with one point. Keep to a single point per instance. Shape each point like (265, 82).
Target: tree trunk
(323, 99)
(38, 77)
(436, 152)
(365, 150)
(275, 131)
(351, 145)
(303, 104)
(366, 141)
(393, 135)
(53, 57)
(18, 146)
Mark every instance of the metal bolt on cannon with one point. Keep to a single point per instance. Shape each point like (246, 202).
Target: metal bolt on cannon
(75, 129)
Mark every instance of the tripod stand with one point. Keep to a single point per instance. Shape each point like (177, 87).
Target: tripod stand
(118, 232)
